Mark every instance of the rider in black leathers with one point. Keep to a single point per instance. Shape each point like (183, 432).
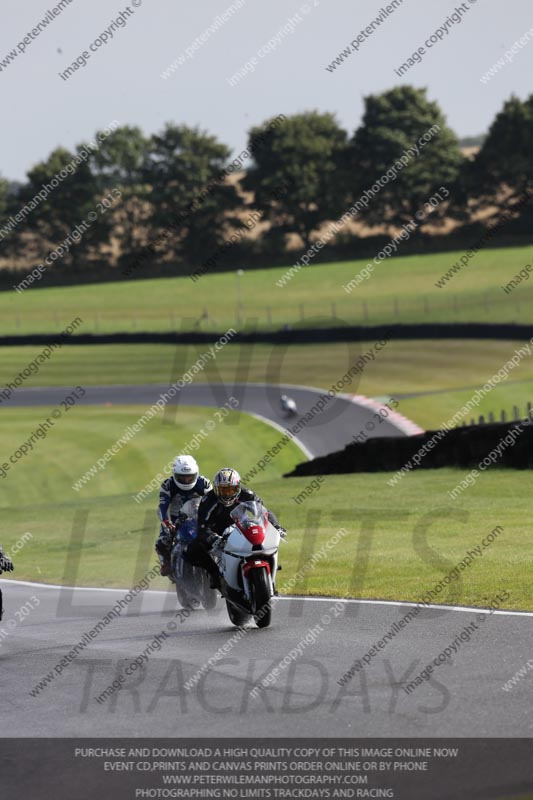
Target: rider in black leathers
(6, 565)
(214, 516)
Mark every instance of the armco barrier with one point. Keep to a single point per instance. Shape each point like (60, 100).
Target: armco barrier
(300, 335)
(461, 447)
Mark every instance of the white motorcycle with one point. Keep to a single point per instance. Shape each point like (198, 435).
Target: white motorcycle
(247, 559)
(288, 406)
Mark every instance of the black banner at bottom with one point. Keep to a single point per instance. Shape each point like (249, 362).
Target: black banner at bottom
(128, 769)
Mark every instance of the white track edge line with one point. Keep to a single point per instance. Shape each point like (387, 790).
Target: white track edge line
(362, 601)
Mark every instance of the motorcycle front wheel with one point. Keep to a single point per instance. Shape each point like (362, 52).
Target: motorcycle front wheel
(185, 597)
(236, 616)
(260, 587)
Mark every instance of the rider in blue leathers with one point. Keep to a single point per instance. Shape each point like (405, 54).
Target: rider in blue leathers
(184, 484)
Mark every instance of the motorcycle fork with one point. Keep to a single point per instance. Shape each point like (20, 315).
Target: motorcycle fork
(245, 583)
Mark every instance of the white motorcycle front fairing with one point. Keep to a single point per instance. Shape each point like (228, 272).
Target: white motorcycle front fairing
(238, 551)
(249, 543)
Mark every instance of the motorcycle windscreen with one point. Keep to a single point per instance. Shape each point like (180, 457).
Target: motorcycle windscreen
(251, 518)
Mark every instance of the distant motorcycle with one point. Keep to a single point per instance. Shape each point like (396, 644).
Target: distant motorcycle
(288, 406)
(192, 583)
(247, 558)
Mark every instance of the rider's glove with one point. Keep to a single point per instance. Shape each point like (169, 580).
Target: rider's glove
(168, 527)
(282, 532)
(212, 539)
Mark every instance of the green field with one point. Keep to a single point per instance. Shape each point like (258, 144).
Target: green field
(417, 539)
(400, 290)
(445, 373)
(83, 434)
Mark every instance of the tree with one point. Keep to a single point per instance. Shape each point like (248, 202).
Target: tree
(4, 212)
(119, 163)
(120, 157)
(4, 189)
(296, 171)
(68, 201)
(392, 123)
(505, 162)
(191, 197)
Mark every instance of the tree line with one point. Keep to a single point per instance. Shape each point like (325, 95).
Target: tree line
(183, 200)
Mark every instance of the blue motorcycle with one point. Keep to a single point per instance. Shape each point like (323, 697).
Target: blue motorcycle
(192, 583)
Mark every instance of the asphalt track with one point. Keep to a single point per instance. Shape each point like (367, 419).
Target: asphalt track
(463, 698)
(329, 430)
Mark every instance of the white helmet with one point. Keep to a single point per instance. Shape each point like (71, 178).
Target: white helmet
(185, 472)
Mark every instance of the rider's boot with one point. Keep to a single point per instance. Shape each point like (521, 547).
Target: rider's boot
(164, 557)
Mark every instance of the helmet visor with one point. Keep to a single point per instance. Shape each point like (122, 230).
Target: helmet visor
(226, 492)
(187, 480)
